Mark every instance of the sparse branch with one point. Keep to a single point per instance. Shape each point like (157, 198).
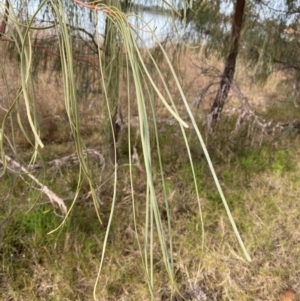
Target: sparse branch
(78, 58)
(92, 38)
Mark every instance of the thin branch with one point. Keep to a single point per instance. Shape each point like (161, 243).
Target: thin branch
(82, 30)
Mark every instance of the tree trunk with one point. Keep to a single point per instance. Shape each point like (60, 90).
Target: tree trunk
(4, 20)
(230, 63)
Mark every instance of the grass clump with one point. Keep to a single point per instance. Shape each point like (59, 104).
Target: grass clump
(282, 161)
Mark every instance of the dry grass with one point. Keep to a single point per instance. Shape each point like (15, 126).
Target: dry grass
(260, 182)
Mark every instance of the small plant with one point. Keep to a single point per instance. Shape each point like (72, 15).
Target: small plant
(282, 161)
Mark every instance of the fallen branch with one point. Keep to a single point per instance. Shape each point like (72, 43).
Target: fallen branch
(55, 200)
(71, 160)
(246, 114)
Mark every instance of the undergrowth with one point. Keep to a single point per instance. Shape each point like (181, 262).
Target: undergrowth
(261, 185)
